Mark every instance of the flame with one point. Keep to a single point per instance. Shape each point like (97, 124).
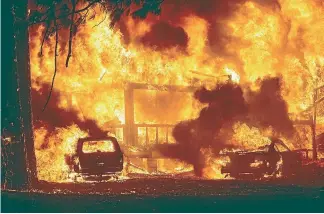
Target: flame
(94, 146)
(285, 41)
(50, 160)
(233, 75)
(214, 166)
(250, 138)
(256, 163)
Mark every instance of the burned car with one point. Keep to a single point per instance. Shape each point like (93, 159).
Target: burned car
(269, 161)
(97, 156)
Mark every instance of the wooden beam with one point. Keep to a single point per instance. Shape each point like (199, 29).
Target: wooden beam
(175, 88)
(314, 143)
(129, 116)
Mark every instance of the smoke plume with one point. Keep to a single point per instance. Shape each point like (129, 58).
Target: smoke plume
(164, 36)
(226, 105)
(54, 117)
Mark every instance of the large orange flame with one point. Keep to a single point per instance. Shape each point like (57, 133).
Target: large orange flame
(286, 41)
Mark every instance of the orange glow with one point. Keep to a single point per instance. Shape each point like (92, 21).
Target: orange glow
(266, 42)
(95, 146)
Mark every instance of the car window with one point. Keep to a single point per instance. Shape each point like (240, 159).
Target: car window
(98, 146)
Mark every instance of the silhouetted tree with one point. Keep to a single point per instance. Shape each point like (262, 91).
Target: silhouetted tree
(18, 162)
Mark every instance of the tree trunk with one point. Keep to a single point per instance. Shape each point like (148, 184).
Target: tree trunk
(18, 154)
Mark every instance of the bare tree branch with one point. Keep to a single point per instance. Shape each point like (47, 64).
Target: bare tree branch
(58, 11)
(66, 14)
(88, 6)
(55, 62)
(71, 34)
(101, 21)
(43, 40)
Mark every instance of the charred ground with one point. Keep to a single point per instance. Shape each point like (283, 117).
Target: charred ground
(170, 194)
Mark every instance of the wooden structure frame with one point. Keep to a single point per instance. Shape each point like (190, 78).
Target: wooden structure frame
(130, 132)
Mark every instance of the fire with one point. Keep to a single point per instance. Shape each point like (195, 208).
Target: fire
(51, 163)
(262, 41)
(214, 165)
(256, 163)
(233, 75)
(246, 137)
(94, 146)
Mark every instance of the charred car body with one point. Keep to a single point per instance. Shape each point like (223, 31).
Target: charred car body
(273, 159)
(97, 157)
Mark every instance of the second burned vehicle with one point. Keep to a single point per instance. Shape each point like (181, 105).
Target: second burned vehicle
(97, 157)
(272, 160)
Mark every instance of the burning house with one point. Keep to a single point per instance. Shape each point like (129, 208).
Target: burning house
(180, 89)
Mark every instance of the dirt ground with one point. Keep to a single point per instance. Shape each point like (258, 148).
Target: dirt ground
(170, 194)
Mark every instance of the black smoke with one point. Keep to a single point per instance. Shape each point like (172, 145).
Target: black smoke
(226, 104)
(173, 12)
(54, 117)
(164, 36)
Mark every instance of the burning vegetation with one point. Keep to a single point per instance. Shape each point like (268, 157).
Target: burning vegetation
(199, 80)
